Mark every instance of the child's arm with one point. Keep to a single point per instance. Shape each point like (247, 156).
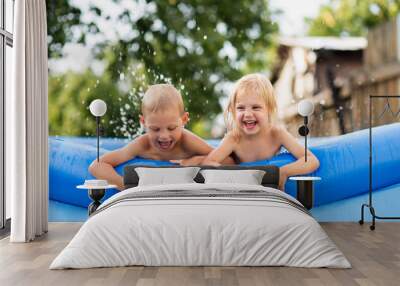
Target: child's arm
(298, 167)
(199, 160)
(222, 153)
(104, 169)
(196, 145)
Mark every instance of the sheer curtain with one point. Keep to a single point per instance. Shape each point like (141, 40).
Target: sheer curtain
(26, 124)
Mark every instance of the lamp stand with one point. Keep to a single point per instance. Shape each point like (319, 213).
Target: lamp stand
(98, 135)
(305, 193)
(96, 195)
(305, 184)
(305, 137)
(303, 131)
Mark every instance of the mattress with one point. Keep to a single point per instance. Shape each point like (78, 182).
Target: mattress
(201, 225)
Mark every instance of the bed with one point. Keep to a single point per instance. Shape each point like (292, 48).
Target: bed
(201, 224)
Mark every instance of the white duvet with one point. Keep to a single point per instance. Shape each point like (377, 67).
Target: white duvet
(206, 230)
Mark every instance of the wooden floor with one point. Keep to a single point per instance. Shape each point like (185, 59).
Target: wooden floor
(374, 255)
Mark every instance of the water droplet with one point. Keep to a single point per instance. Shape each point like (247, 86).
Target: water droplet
(205, 37)
(122, 76)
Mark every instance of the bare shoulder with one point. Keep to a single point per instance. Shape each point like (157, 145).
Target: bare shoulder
(140, 143)
(188, 135)
(193, 144)
(278, 130)
(280, 133)
(230, 138)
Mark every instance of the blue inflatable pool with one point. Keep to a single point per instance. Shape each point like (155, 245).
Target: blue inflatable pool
(344, 164)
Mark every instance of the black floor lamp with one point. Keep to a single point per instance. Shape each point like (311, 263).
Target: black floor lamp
(305, 184)
(305, 108)
(98, 108)
(369, 205)
(96, 188)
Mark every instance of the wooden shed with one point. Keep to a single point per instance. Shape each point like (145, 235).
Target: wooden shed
(379, 75)
(317, 68)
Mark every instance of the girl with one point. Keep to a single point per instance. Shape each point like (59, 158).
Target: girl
(252, 135)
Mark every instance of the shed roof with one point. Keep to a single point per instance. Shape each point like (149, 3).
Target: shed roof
(326, 43)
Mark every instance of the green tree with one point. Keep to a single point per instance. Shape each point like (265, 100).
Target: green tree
(71, 94)
(351, 17)
(61, 18)
(197, 45)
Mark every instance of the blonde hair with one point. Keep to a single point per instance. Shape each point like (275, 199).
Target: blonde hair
(160, 97)
(252, 83)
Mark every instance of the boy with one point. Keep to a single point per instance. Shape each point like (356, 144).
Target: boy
(166, 139)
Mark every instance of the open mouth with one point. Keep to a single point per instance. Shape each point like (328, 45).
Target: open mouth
(164, 145)
(249, 124)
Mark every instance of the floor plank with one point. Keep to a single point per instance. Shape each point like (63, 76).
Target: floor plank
(374, 255)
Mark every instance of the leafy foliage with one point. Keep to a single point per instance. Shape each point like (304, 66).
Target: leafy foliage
(61, 18)
(71, 95)
(197, 45)
(351, 17)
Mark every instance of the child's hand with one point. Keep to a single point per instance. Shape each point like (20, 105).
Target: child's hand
(212, 163)
(195, 160)
(179, 162)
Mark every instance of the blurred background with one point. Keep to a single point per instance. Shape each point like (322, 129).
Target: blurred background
(334, 52)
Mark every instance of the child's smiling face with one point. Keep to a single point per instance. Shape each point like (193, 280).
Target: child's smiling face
(164, 127)
(250, 112)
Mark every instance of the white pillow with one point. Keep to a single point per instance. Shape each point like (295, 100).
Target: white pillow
(164, 176)
(248, 177)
